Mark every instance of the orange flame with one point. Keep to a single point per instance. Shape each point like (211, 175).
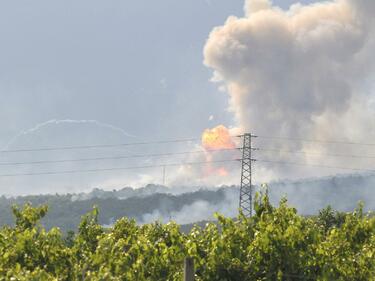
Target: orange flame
(222, 172)
(217, 138)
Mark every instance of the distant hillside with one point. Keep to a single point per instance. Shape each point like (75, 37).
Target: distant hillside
(65, 211)
(342, 192)
(128, 192)
(189, 205)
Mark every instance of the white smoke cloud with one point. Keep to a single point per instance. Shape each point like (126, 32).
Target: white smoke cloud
(306, 72)
(256, 6)
(197, 211)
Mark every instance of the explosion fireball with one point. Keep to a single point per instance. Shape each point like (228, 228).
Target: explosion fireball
(217, 138)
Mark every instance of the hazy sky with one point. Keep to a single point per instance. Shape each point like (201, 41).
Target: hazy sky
(136, 65)
(133, 64)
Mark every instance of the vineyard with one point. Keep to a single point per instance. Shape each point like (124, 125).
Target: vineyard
(275, 244)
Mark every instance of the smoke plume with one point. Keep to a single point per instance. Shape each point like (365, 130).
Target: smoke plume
(306, 72)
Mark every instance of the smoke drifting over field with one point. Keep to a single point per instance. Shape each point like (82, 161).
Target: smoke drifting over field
(306, 72)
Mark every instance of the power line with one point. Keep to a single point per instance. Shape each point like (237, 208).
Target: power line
(115, 157)
(317, 140)
(183, 163)
(175, 164)
(117, 168)
(56, 148)
(314, 165)
(316, 153)
(183, 153)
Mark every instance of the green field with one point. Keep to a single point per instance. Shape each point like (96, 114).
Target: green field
(275, 244)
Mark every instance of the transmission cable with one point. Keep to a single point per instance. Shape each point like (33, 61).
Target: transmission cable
(97, 146)
(118, 168)
(115, 157)
(57, 148)
(315, 153)
(316, 140)
(314, 165)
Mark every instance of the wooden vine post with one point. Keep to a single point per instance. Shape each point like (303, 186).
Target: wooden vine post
(189, 271)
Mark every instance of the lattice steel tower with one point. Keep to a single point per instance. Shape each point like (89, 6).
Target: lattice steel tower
(246, 199)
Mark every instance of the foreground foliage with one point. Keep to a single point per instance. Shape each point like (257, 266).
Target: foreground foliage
(275, 244)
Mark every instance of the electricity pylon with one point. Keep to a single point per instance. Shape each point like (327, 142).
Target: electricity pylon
(246, 199)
